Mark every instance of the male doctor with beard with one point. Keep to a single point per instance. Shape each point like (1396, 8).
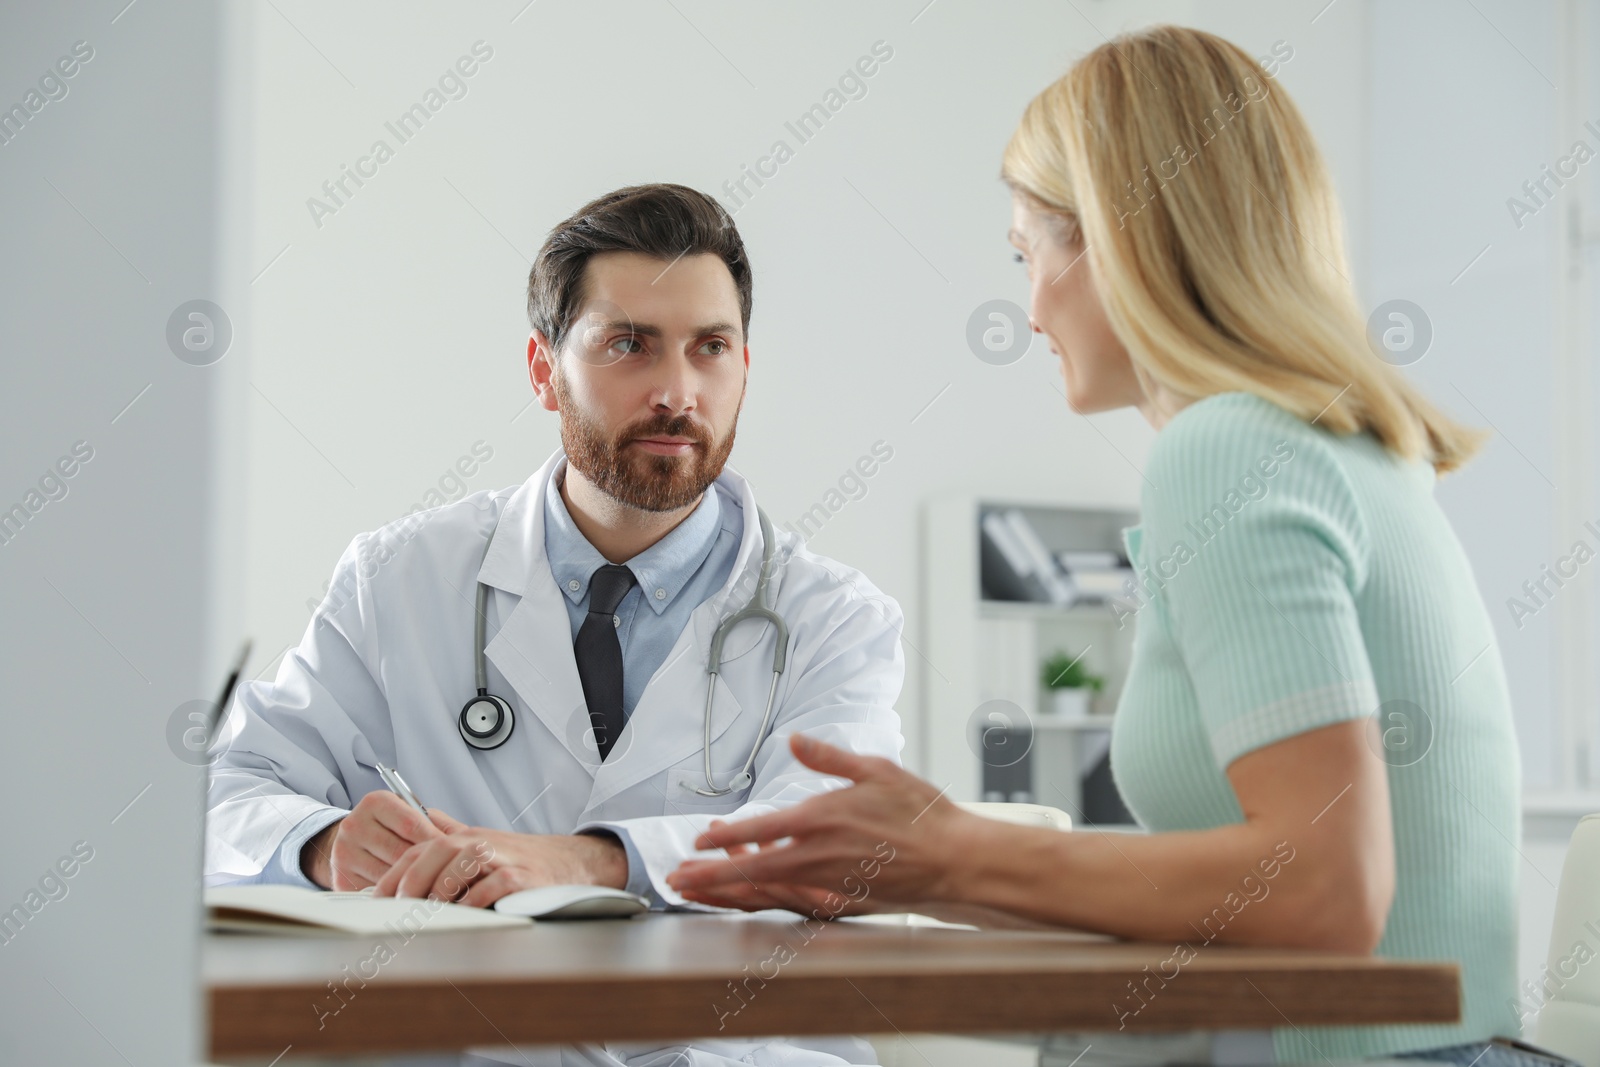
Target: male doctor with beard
(605, 577)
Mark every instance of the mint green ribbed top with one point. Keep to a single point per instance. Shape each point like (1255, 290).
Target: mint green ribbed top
(1291, 578)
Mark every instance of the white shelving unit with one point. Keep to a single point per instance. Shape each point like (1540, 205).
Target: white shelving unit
(976, 652)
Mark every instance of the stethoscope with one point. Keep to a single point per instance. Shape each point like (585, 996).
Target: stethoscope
(486, 720)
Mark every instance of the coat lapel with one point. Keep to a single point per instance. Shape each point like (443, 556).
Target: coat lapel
(533, 648)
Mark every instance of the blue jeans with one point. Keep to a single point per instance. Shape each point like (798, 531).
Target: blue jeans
(1497, 1053)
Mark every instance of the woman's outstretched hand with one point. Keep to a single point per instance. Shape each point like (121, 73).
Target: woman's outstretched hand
(890, 838)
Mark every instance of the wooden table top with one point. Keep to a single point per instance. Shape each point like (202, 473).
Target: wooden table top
(680, 975)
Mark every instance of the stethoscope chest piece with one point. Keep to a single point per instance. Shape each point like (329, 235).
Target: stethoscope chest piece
(486, 721)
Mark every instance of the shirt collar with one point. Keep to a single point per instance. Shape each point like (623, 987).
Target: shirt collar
(662, 570)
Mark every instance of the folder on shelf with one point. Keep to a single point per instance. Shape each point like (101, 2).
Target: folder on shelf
(1015, 564)
(1097, 576)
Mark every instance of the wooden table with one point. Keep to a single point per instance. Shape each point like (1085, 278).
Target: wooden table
(682, 975)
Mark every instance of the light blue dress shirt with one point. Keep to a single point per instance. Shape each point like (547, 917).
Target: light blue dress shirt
(675, 575)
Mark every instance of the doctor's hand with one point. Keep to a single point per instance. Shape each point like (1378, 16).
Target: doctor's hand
(476, 866)
(890, 838)
(360, 848)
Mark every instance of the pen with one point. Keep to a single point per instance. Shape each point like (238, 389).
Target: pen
(397, 785)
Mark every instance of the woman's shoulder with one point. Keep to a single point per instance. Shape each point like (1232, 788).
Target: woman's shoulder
(1223, 418)
(1231, 449)
(1233, 425)
(1225, 434)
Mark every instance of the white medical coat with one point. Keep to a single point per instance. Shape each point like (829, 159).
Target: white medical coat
(386, 664)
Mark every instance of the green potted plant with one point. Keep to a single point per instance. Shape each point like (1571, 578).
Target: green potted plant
(1068, 685)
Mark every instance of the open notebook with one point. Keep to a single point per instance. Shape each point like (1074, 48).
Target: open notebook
(292, 909)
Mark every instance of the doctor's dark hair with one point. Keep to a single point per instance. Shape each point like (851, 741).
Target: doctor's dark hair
(661, 220)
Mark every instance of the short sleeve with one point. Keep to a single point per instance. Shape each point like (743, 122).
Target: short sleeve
(1255, 550)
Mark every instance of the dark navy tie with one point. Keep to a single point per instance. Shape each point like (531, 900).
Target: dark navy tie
(599, 654)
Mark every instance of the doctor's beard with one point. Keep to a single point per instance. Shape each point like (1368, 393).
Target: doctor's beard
(632, 476)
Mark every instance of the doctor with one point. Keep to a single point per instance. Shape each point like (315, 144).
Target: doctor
(604, 579)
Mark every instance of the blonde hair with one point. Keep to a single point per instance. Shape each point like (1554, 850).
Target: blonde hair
(1215, 235)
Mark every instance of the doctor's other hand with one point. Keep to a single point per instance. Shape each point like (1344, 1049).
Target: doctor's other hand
(890, 838)
(476, 866)
(360, 848)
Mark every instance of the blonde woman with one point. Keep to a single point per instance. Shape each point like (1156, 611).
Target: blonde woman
(1315, 728)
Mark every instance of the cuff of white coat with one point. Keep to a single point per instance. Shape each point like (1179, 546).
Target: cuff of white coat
(654, 851)
(638, 876)
(285, 869)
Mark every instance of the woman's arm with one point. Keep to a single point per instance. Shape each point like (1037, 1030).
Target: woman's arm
(1312, 865)
(1265, 634)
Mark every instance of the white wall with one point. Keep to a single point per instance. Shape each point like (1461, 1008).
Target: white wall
(391, 336)
(1466, 106)
(1463, 112)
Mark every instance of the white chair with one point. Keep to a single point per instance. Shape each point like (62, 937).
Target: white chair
(1023, 814)
(1569, 1023)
